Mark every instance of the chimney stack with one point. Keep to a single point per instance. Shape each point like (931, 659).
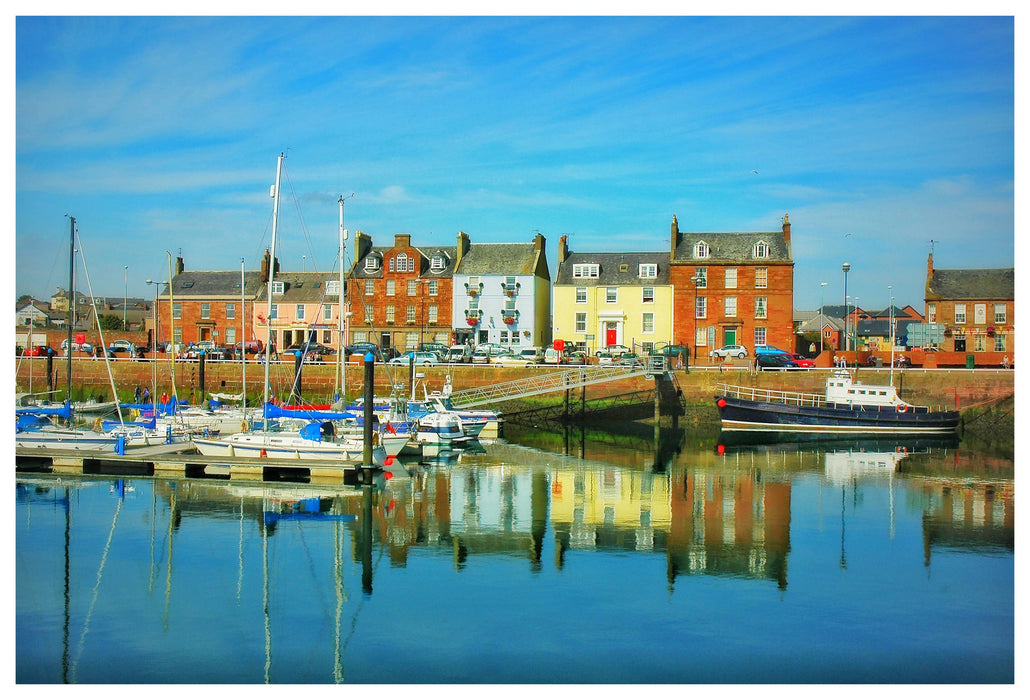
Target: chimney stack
(786, 228)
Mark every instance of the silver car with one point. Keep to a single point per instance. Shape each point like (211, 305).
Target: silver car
(738, 351)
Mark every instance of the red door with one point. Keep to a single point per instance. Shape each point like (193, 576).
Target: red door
(610, 336)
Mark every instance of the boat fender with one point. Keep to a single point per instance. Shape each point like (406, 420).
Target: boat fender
(98, 425)
(244, 427)
(721, 403)
(375, 439)
(902, 409)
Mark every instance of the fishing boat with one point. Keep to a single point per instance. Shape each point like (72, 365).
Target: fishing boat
(847, 407)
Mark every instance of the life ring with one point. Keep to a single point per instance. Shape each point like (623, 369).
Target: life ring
(902, 409)
(244, 427)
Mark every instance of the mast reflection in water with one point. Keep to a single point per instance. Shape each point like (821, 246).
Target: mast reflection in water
(789, 563)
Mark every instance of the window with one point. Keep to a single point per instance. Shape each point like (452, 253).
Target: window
(434, 287)
(1000, 313)
(230, 336)
(411, 340)
(960, 313)
(434, 313)
(761, 277)
(369, 313)
(761, 251)
(701, 308)
(581, 323)
(327, 312)
(278, 287)
(611, 295)
(300, 312)
(359, 337)
(327, 337)
(409, 314)
(391, 287)
(205, 309)
(760, 309)
(371, 263)
(760, 336)
(437, 263)
(701, 250)
(370, 287)
(402, 263)
(581, 295)
(647, 324)
(648, 271)
(931, 313)
(412, 288)
(509, 305)
(230, 312)
(274, 313)
(730, 307)
(999, 343)
(391, 311)
(510, 283)
(177, 309)
(647, 296)
(731, 278)
(473, 304)
(701, 275)
(473, 286)
(332, 287)
(979, 342)
(701, 337)
(585, 271)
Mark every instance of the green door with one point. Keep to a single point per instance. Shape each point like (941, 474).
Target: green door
(729, 336)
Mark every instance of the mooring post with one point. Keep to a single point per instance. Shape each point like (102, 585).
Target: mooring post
(370, 375)
(200, 373)
(298, 360)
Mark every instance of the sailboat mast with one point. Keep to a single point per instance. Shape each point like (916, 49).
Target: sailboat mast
(271, 276)
(243, 327)
(71, 310)
(341, 350)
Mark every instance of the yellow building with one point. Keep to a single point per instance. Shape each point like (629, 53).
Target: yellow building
(603, 299)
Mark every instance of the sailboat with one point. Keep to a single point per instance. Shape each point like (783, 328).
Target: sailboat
(301, 437)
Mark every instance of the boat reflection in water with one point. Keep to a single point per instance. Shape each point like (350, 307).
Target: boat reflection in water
(523, 565)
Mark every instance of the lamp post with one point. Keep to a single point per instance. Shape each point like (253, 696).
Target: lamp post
(822, 319)
(847, 342)
(125, 301)
(854, 331)
(697, 279)
(155, 338)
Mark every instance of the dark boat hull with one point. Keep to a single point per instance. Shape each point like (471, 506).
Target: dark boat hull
(761, 416)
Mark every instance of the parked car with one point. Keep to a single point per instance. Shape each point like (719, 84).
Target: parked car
(769, 350)
(118, 346)
(38, 351)
(770, 361)
(76, 347)
(207, 347)
(738, 351)
(485, 351)
(801, 361)
(604, 357)
(577, 357)
(425, 358)
(440, 349)
(251, 347)
(629, 359)
(534, 355)
(510, 360)
(459, 354)
(613, 350)
(308, 350)
(674, 352)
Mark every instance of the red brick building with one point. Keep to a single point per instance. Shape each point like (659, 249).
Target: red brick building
(739, 286)
(401, 295)
(976, 307)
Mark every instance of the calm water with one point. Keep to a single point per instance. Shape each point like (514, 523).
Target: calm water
(615, 564)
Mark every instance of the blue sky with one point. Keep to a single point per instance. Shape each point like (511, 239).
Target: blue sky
(876, 134)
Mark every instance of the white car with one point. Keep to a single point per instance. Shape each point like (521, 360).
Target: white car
(510, 360)
(738, 351)
(425, 358)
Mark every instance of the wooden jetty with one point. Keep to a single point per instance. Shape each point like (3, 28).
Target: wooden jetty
(166, 460)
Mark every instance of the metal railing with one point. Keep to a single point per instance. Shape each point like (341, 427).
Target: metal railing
(793, 398)
(570, 378)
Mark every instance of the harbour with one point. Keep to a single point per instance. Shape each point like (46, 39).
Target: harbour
(558, 554)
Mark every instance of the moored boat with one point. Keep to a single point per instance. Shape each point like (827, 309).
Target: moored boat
(847, 407)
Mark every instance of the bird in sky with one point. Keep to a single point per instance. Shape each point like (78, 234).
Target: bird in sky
(754, 172)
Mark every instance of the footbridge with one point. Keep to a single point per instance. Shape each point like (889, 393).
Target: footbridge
(570, 378)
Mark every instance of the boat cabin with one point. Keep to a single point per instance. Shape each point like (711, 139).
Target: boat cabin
(841, 389)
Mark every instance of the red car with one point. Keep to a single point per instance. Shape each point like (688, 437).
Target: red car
(803, 362)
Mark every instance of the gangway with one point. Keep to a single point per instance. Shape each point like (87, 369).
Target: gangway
(571, 378)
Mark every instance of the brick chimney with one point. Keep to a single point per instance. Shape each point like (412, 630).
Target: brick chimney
(563, 248)
(264, 265)
(675, 235)
(786, 228)
(180, 266)
(402, 240)
(362, 245)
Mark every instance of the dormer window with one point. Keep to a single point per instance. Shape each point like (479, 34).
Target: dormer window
(648, 271)
(584, 270)
(278, 287)
(438, 262)
(701, 250)
(761, 249)
(371, 263)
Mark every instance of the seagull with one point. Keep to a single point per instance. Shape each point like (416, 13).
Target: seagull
(754, 172)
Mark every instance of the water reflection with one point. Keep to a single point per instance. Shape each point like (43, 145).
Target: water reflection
(710, 510)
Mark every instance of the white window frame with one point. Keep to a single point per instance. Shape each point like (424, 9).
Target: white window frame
(730, 307)
(434, 287)
(586, 270)
(647, 323)
(391, 288)
(761, 335)
(299, 312)
(648, 271)
(327, 312)
(391, 313)
(371, 263)
(205, 309)
(611, 295)
(332, 287)
(701, 307)
(433, 312)
(731, 278)
(931, 313)
(701, 250)
(581, 295)
(230, 311)
(960, 314)
(761, 278)
(370, 287)
(761, 251)
(761, 309)
(1001, 312)
(647, 295)
(581, 322)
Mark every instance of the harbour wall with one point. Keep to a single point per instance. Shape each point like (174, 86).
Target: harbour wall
(944, 387)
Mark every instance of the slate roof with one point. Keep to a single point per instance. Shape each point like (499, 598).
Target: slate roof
(450, 254)
(972, 284)
(214, 284)
(883, 328)
(300, 287)
(733, 247)
(611, 272)
(499, 259)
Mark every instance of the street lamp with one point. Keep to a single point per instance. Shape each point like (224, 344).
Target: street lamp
(125, 301)
(822, 320)
(155, 336)
(697, 279)
(846, 266)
